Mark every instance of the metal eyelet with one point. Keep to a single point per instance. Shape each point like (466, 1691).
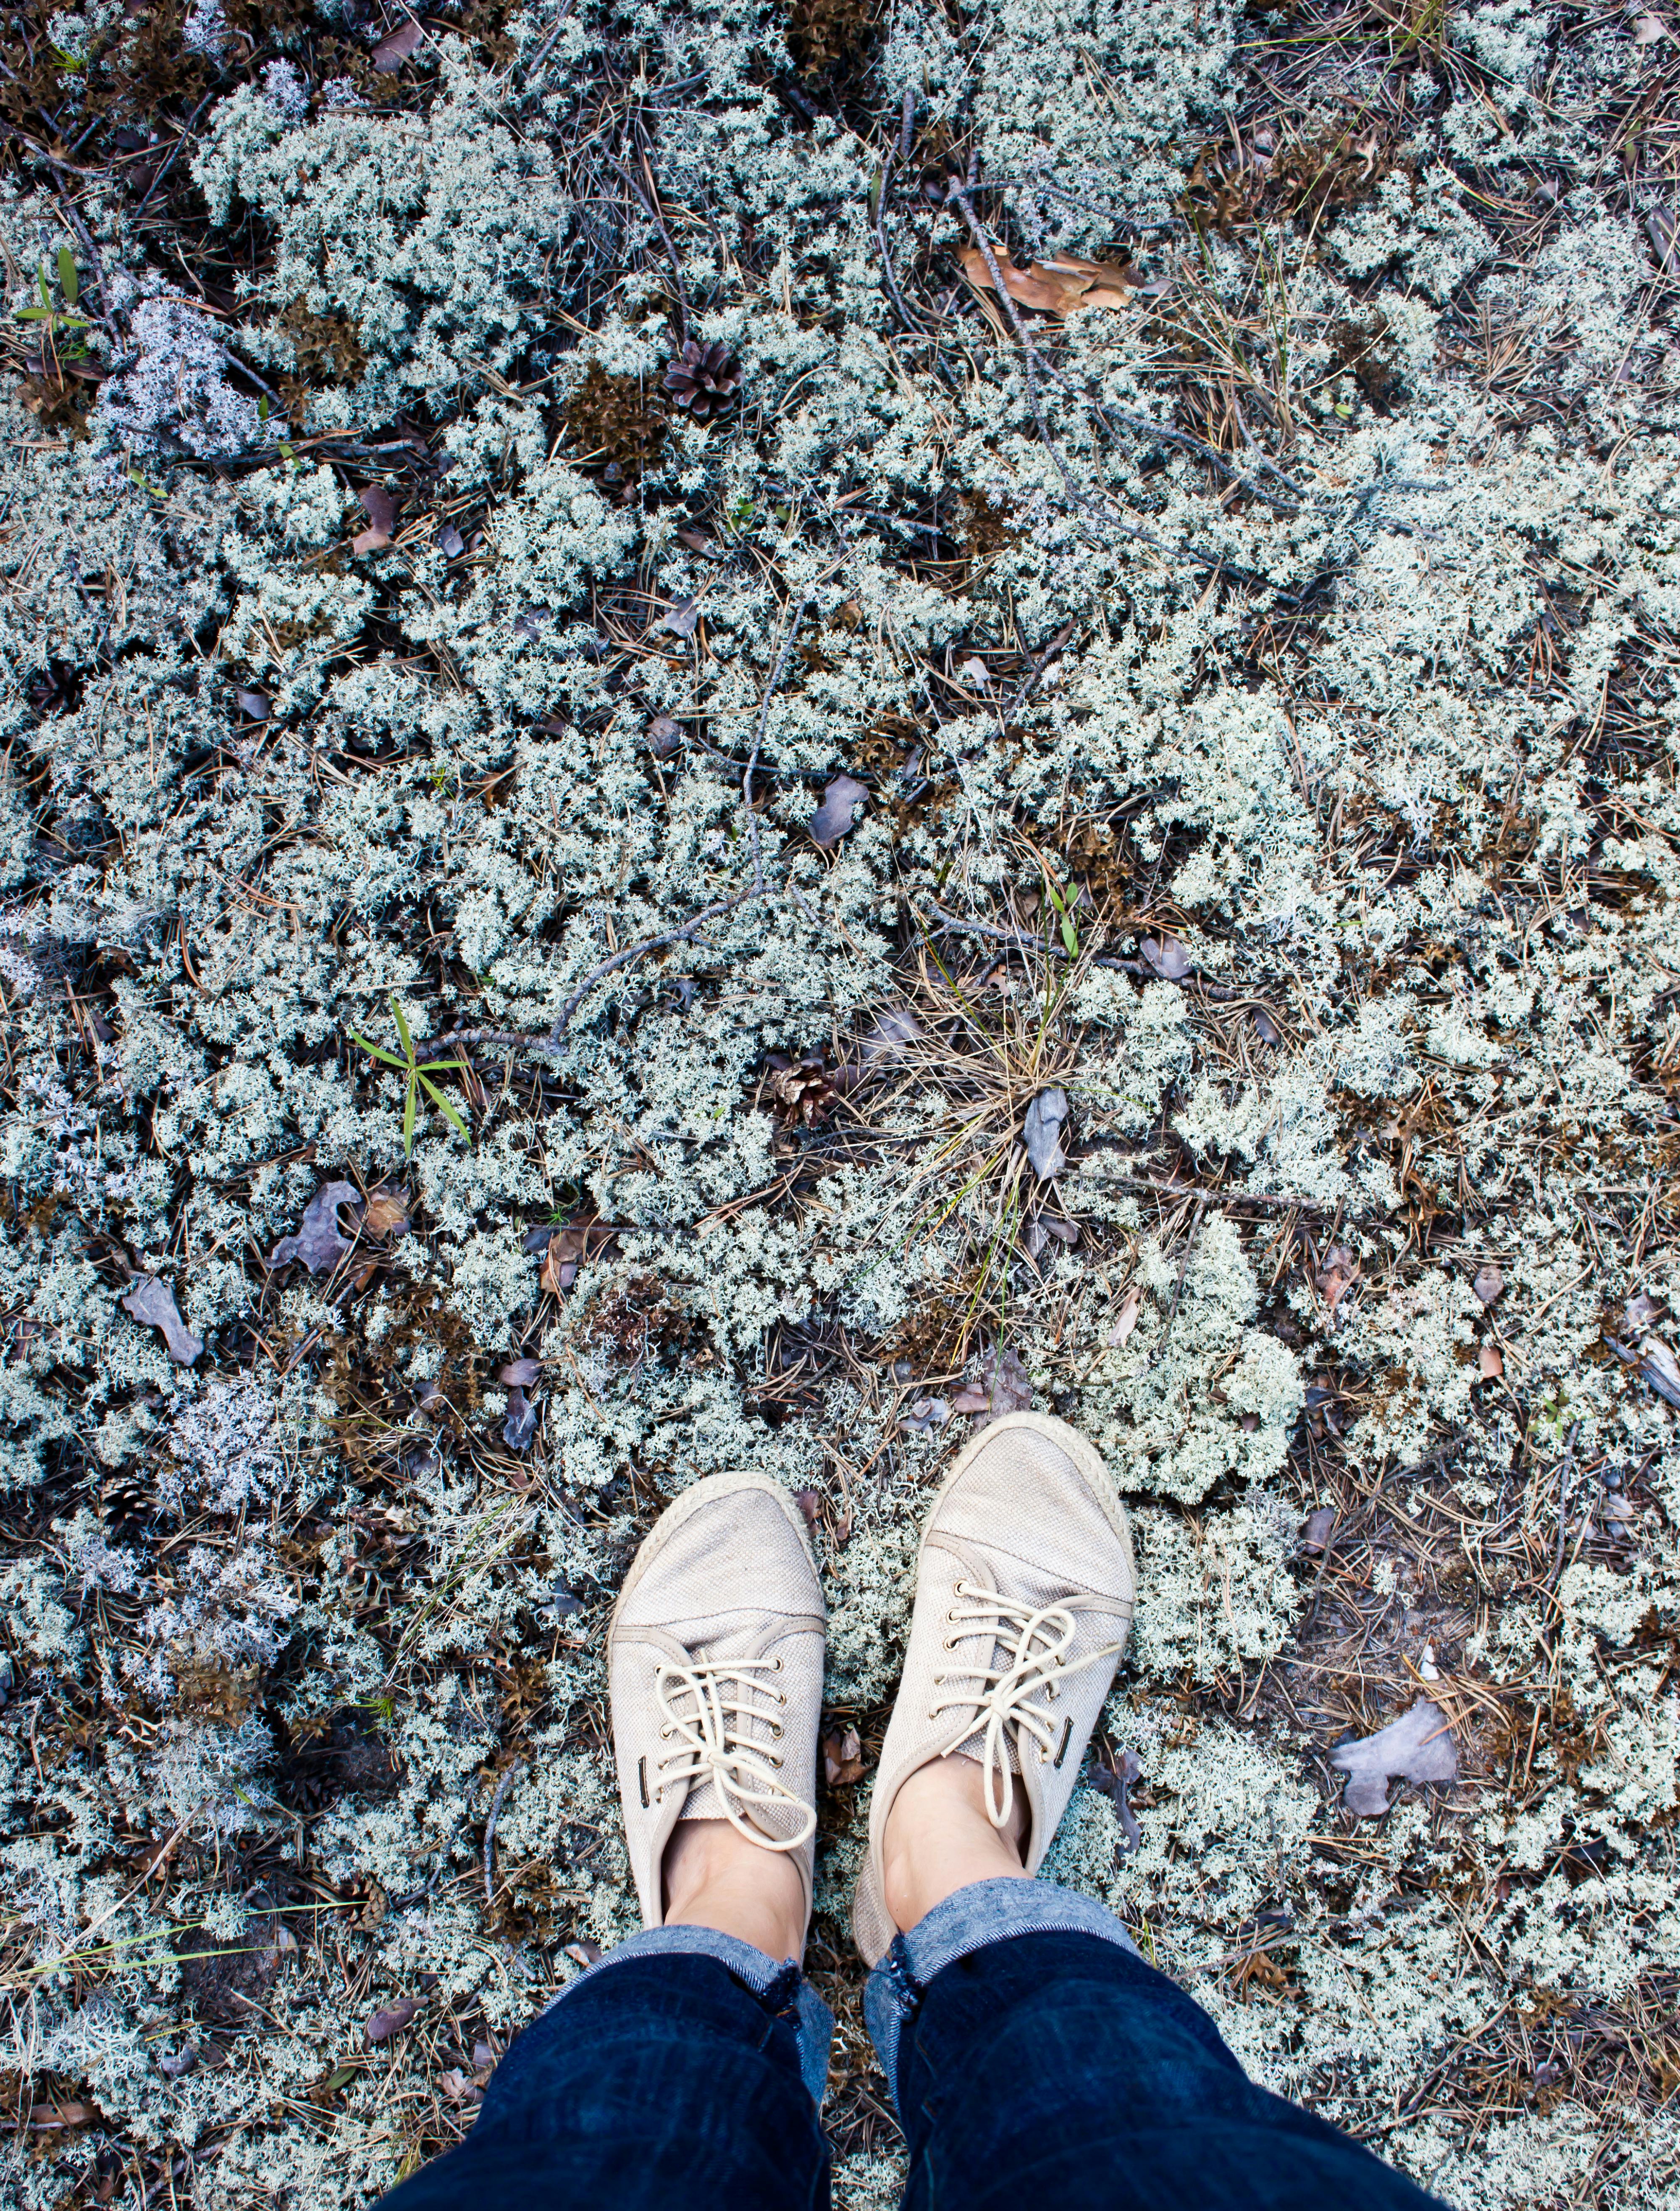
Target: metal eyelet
(777, 1668)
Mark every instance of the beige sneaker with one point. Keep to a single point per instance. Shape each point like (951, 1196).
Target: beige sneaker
(1024, 1591)
(714, 1664)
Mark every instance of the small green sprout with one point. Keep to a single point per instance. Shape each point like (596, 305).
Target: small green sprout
(53, 317)
(1064, 914)
(416, 1075)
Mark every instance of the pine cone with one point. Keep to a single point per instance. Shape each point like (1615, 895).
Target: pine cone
(703, 378)
(801, 1091)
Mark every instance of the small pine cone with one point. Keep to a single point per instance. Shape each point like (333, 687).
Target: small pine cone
(800, 1092)
(127, 1507)
(703, 378)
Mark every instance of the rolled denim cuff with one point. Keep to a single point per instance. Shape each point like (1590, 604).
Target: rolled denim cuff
(971, 1919)
(780, 1987)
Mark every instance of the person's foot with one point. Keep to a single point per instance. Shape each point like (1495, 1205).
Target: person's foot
(715, 1661)
(1024, 1591)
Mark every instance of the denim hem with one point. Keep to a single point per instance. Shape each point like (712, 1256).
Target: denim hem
(971, 1919)
(757, 1973)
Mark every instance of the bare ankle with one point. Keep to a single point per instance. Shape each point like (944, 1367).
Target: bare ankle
(714, 1876)
(939, 1838)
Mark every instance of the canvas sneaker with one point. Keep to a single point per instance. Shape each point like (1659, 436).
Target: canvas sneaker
(714, 1665)
(1024, 1591)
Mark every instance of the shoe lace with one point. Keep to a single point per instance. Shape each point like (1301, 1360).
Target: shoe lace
(1005, 1693)
(707, 1704)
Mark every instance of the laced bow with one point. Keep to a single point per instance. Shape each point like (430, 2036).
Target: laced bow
(1005, 1693)
(707, 1704)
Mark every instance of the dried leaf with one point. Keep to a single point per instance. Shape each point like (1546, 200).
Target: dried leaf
(519, 1374)
(1167, 956)
(1645, 30)
(450, 542)
(1126, 1319)
(62, 2115)
(889, 1033)
(832, 819)
(319, 1243)
(1001, 1387)
(1046, 1118)
(810, 1502)
(583, 1952)
(385, 1215)
(1418, 1746)
(1340, 1270)
(1488, 1284)
(1642, 1310)
(842, 1756)
(253, 704)
(1060, 286)
(379, 506)
(521, 1425)
(391, 52)
(682, 620)
(664, 735)
(1660, 1369)
(925, 1413)
(1489, 1363)
(391, 2020)
(974, 673)
(565, 1254)
(154, 1302)
(1265, 1028)
(1316, 1533)
(1114, 1782)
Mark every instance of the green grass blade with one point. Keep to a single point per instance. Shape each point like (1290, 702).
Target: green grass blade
(373, 1051)
(408, 1122)
(402, 1030)
(444, 1106)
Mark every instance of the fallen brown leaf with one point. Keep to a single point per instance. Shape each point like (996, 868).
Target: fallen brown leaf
(1417, 1747)
(1167, 956)
(560, 1266)
(832, 819)
(391, 52)
(385, 1215)
(154, 1302)
(1317, 1531)
(320, 1242)
(1060, 286)
(1126, 1319)
(391, 2020)
(1002, 1386)
(1340, 1270)
(842, 1756)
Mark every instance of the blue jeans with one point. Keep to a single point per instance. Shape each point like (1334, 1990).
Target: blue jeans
(1035, 2060)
